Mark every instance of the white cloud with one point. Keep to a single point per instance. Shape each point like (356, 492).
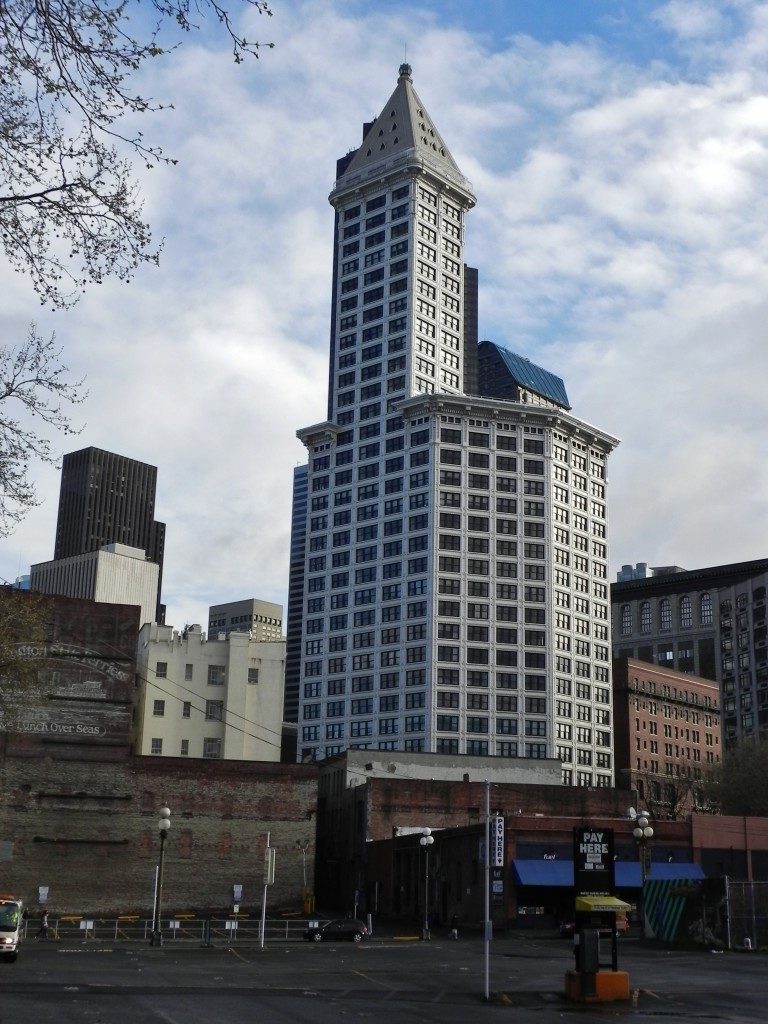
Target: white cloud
(620, 234)
(691, 19)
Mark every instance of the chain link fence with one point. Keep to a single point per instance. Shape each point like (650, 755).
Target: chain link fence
(746, 910)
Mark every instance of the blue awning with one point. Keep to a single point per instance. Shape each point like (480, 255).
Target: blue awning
(628, 873)
(544, 872)
(559, 873)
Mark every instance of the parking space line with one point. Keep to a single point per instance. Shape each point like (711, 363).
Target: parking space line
(375, 980)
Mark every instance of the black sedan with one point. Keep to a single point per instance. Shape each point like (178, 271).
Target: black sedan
(345, 928)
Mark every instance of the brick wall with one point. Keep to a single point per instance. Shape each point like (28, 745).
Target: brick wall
(86, 670)
(89, 832)
(453, 804)
(372, 811)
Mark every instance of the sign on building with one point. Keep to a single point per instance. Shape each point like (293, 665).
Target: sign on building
(497, 842)
(593, 864)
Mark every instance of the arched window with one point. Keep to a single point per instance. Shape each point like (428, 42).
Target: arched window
(686, 613)
(665, 614)
(626, 620)
(705, 610)
(645, 617)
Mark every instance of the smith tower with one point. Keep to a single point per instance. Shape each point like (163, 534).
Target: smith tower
(400, 202)
(423, 629)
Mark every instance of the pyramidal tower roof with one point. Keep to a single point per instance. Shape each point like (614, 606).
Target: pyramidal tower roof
(404, 131)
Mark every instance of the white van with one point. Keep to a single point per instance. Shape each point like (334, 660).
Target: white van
(10, 926)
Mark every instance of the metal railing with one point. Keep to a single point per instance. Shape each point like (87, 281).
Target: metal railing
(213, 931)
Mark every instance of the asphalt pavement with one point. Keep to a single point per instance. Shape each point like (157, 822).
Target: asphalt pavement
(387, 978)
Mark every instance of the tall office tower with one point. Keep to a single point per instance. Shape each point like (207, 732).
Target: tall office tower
(109, 499)
(295, 618)
(455, 587)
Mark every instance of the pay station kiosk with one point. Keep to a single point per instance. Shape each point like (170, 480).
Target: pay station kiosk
(596, 905)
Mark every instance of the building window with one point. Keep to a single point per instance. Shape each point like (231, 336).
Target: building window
(253, 675)
(215, 675)
(211, 747)
(186, 709)
(447, 746)
(626, 620)
(157, 746)
(686, 613)
(161, 669)
(188, 672)
(705, 609)
(158, 708)
(184, 752)
(506, 748)
(645, 617)
(214, 710)
(665, 614)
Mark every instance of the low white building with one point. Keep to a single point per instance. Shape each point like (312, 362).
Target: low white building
(116, 574)
(208, 698)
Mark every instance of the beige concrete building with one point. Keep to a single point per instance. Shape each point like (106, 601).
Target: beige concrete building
(209, 698)
(116, 574)
(262, 619)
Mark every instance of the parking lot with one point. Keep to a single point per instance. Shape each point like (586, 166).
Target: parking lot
(383, 978)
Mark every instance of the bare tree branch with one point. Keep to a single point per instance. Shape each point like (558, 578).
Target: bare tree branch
(70, 211)
(34, 381)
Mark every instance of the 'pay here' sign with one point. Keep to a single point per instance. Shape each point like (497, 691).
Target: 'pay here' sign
(593, 860)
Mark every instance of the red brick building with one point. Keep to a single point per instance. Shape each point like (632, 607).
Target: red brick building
(666, 735)
(79, 812)
(88, 831)
(535, 885)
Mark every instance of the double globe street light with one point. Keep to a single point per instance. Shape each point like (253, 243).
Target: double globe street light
(427, 839)
(642, 833)
(163, 825)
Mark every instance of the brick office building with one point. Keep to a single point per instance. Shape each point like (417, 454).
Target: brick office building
(711, 622)
(666, 735)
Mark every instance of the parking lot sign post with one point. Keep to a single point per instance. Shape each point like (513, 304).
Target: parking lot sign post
(269, 879)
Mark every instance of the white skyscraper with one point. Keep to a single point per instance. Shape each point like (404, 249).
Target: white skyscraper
(455, 588)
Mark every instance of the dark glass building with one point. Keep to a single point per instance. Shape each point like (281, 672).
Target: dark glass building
(109, 499)
(295, 594)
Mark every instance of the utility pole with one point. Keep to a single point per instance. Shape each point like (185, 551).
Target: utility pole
(488, 925)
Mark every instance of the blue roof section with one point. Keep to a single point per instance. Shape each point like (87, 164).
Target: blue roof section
(534, 377)
(560, 873)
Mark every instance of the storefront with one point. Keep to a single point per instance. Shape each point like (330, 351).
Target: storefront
(545, 889)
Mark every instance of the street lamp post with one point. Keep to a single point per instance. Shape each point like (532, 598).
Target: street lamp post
(427, 839)
(163, 825)
(642, 833)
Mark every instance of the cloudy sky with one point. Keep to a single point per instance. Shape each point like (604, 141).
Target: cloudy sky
(619, 153)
